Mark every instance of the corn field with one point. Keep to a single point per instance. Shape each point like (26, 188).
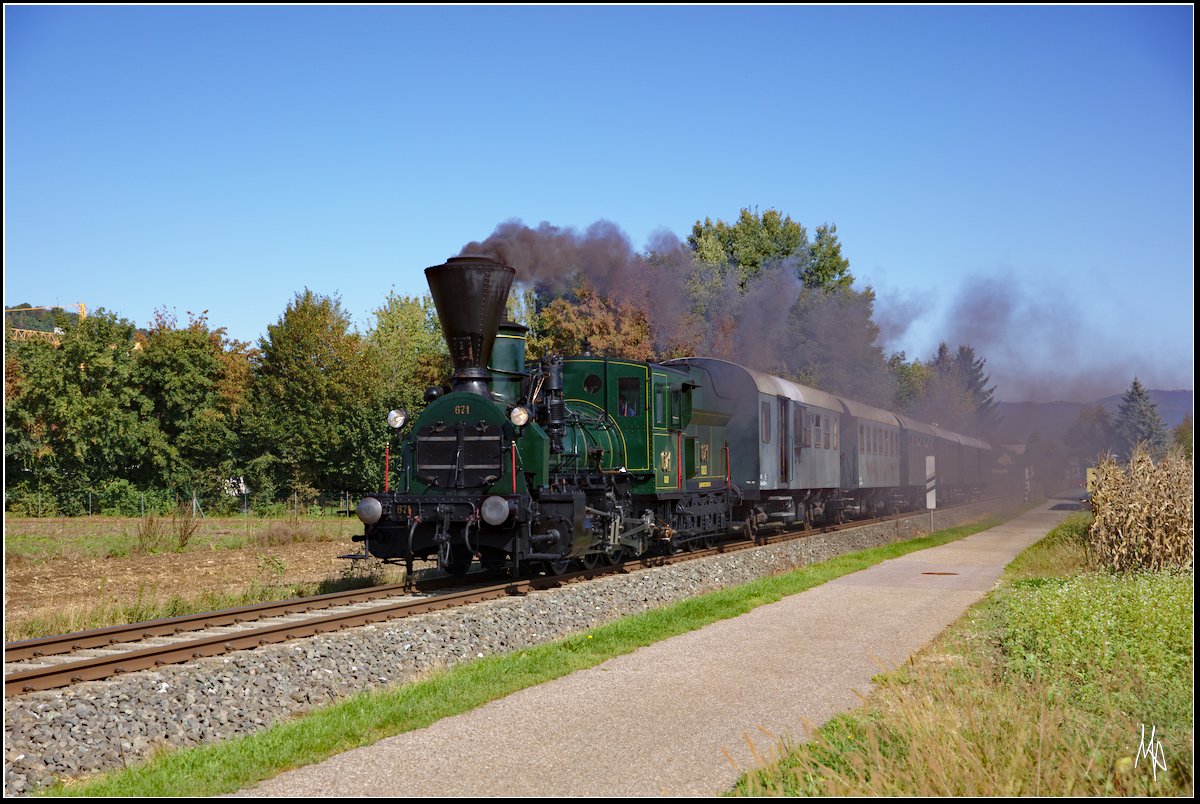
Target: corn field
(1142, 513)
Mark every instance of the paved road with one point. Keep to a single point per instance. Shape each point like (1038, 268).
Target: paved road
(708, 699)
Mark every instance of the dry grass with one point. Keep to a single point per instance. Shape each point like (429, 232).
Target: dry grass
(1143, 514)
(288, 531)
(71, 539)
(950, 730)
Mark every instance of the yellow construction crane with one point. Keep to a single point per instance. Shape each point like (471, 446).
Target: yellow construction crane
(31, 334)
(82, 309)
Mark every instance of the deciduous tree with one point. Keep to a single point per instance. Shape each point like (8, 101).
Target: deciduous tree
(748, 244)
(410, 349)
(197, 383)
(317, 398)
(75, 416)
(825, 267)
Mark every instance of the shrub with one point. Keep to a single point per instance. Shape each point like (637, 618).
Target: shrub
(151, 536)
(119, 498)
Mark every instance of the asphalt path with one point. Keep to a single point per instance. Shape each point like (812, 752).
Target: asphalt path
(686, 716)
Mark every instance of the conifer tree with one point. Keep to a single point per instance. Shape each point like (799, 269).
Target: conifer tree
(1137, 420)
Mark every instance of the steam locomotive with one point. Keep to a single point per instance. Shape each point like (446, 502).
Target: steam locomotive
(591, 459)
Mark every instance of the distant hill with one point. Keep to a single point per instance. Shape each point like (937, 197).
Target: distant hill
(1052, 420)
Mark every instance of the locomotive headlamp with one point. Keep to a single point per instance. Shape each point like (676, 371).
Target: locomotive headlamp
(519, 416)
(369, 511)
(495, 510)
(397, 418)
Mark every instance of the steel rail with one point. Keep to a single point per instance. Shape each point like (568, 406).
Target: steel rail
(170, 626)
(96, 668)
(39, 647)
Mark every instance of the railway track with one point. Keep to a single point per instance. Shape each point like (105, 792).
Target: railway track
(60, 661)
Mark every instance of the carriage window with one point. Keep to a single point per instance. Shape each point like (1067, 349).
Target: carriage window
(629, 396)
(862, 447)
(660, 406)
(765, 417)
(837, 426)
(817, 430)
(828, 431)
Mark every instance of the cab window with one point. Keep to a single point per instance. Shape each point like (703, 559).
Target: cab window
(629, 396)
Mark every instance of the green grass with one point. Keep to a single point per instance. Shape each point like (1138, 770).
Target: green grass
(371, 716)
(1040, 689)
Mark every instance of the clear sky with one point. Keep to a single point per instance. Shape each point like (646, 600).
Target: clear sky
(1017, 178)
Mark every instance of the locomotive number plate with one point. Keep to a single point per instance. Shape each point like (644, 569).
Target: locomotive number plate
(462, 410)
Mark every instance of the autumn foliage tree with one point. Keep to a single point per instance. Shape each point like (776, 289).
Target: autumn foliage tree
(587, 322)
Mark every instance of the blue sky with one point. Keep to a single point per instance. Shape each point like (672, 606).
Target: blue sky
(1028, 168)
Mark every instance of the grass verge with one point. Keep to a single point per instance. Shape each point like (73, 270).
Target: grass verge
(1052, 686)
(371, 716)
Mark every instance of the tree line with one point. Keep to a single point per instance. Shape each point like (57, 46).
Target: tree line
(181, 409)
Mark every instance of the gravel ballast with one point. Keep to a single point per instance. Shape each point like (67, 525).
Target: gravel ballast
(109, 724)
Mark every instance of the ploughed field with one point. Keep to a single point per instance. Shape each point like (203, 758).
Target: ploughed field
(65, 567)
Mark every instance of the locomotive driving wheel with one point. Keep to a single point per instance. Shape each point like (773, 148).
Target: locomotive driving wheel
(559, 567)
(615, 555)
(592, 560)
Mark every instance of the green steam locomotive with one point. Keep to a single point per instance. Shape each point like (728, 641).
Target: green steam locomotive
(591, 459)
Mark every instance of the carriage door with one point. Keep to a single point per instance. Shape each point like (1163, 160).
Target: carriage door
(785, 443)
